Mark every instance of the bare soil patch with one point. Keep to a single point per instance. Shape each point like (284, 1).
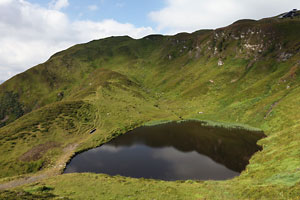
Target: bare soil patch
(38, 151)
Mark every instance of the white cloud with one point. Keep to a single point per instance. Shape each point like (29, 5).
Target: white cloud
(107, 28)
(93, 7)
(191, 15)
(30, 34)
(4, 1)
(58, 4)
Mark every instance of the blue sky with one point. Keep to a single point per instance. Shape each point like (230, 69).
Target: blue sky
(33, 30)
(124, 11)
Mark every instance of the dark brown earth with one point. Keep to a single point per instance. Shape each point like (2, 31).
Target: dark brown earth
(37, 152)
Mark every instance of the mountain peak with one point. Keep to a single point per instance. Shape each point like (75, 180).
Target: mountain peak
(290, 14)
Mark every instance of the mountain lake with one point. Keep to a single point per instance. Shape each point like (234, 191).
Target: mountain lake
(172, 151)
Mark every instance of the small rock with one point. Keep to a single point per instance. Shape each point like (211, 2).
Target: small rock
(220, 63)
(216, 51)
(211, 81)
(200, 112)
(284, 56)
(93, 131)
(60, 94)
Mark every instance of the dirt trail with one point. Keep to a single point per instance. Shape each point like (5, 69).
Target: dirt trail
(55, 170)
(23, 181)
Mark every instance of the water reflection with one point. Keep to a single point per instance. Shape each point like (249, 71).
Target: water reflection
(173, 151)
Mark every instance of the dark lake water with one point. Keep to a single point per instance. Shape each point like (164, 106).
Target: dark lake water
(173, 151)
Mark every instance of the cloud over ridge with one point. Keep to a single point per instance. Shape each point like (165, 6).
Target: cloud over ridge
(191, 15)
(30, 34)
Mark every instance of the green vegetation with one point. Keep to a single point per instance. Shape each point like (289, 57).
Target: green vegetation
(207, 123)
(118, 83)
(39, 193)
(10, 109)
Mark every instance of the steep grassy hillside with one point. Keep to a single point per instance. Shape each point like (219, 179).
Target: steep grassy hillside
(245, 73)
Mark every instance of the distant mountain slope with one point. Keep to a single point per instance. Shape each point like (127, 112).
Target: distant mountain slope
(246, 73)
(248, 40)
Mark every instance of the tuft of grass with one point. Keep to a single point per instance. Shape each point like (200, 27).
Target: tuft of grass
(227, 125)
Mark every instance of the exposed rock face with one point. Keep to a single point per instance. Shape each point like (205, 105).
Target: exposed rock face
(284, 56)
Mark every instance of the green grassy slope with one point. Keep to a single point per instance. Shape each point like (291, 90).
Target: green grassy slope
(245, 73)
